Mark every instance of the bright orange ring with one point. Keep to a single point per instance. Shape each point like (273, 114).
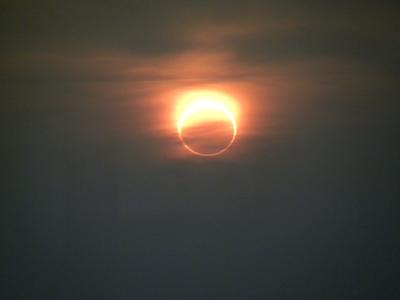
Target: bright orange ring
(203, 105)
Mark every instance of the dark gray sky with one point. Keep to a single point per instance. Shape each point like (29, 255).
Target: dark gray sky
(98, 203)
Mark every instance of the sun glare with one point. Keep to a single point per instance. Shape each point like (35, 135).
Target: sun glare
(206, 122)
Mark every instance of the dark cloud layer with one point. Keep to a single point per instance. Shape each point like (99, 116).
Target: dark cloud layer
(98, 202)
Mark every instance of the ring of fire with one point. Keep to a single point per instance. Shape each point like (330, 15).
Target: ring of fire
(198, 107)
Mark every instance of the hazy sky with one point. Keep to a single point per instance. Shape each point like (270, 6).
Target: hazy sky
(100, 203)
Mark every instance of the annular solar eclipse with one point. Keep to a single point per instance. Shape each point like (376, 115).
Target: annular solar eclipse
(206, 124)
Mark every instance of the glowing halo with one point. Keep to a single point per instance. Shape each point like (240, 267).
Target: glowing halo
(206, 105)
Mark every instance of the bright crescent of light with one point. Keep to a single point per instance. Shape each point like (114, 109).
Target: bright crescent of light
(206, 105)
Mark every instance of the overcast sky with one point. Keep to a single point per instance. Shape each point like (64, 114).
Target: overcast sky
(99, 202)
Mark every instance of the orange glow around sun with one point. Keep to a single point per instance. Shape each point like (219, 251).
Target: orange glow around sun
(206, 122)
